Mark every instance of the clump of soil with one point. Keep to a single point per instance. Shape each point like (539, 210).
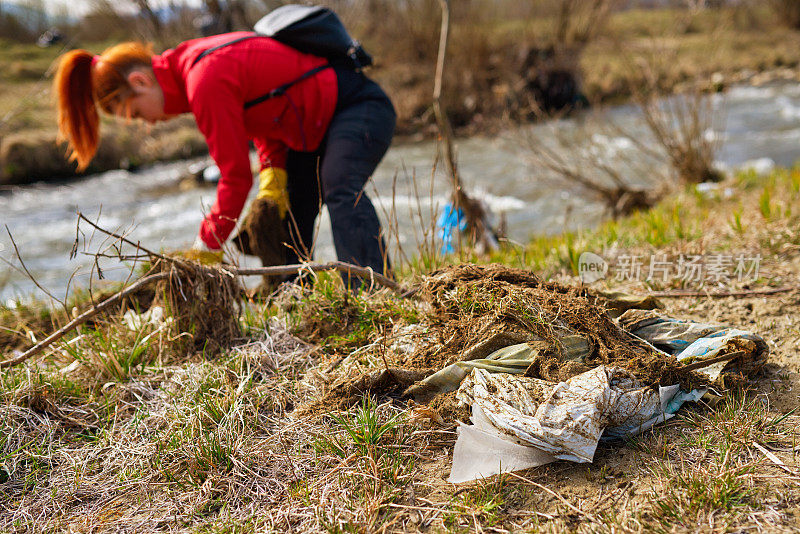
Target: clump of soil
(478, 301)
(450, 408)
(263, 234)
(345, 393)
(321, 319)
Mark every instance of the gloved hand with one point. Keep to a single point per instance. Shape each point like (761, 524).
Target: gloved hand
(202, 254)
(272, 186)
(262, 232)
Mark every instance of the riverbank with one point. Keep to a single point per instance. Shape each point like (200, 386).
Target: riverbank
(491, 82)
(249, 439)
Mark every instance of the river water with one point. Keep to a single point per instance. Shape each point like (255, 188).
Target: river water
(754, 126)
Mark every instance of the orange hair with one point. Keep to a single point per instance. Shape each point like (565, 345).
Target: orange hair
(82, 84)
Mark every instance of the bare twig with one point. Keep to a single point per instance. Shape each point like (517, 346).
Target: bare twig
(28, 273)
(476, 216)
(81, 319)
(773, 458)
(122, 238)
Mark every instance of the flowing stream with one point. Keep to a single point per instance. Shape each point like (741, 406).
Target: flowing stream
(758, 126)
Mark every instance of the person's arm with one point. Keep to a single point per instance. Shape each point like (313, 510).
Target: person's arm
(217, 105)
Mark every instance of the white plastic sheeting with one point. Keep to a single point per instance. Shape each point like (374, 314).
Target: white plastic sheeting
(521, 422)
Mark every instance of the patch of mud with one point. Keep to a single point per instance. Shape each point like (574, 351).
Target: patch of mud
(450, 408)
(345, 393)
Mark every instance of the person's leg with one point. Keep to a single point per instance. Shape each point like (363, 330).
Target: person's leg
(358, 137)
(302, 169)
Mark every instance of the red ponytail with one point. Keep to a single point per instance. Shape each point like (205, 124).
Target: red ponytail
(78, 122)
(82, 84)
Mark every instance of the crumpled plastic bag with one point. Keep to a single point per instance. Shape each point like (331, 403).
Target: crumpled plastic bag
(689, 340)
(563, 421)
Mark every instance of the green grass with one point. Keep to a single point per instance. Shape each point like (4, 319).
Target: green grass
(366, 429)
(707, 475)
(115, 353)
(765, 205)
(342, 320)
(761, 213)
(486, 500)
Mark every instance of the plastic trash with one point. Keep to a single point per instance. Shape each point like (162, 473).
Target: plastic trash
(513, 359)
(521, 422)
(689, 340)
(451, 220)
(154, 316)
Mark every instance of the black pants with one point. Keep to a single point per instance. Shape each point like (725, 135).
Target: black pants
(335, 174)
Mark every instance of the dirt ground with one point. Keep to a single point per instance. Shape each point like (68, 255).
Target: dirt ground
(302, 425)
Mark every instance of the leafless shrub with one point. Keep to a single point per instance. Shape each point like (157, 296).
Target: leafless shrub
(597, 160)
(681, 123)
(103, 23)
(683, 126)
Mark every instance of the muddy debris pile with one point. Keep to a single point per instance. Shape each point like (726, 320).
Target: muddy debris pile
(477, 310)
(545, 370)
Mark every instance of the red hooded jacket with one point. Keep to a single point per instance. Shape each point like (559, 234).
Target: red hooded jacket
(215, 90)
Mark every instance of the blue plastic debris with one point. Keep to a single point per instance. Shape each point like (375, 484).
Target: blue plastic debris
(451, 219)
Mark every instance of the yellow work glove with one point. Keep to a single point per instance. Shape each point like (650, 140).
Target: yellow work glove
(202, 254)
(272, 186)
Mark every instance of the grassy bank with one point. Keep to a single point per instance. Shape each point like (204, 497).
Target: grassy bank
(128, 427)
(490, 81)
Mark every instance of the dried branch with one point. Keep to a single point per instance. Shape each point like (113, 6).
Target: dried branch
(28, 273)
(701, 364)
(476, 216)
(122, 238)
(719, 294)
(606, 176)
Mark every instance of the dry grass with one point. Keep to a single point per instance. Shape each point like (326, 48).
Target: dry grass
(197, 443)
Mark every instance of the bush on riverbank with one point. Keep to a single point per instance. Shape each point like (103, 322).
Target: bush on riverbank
(31, 156)
(492, 67)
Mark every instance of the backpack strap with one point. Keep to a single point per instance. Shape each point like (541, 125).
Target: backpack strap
(208, 51)
(281, 90)
(278, 91)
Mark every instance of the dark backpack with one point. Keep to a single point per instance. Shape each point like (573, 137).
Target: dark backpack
(314, 30)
